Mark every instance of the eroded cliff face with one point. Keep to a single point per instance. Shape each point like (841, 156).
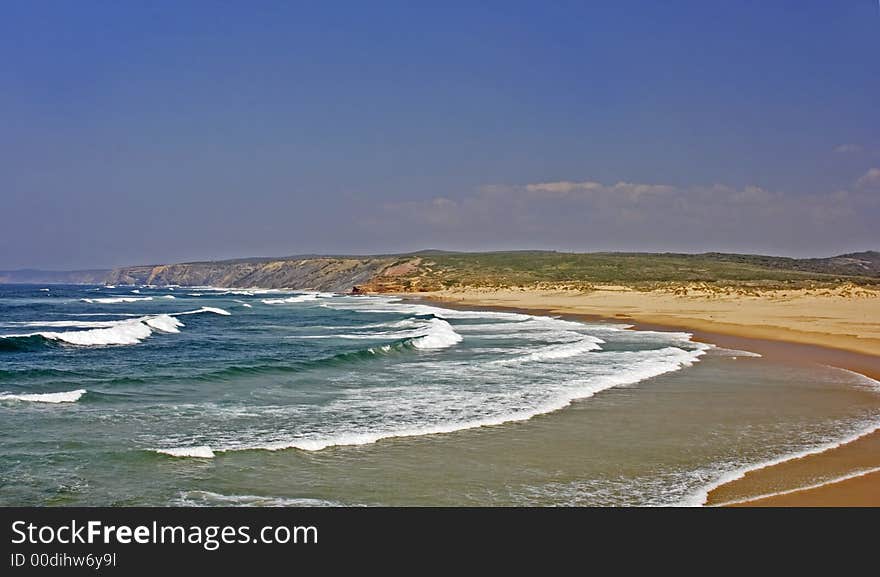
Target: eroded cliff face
(319, 273)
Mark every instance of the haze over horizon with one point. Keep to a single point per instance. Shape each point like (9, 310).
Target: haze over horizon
(169, 132)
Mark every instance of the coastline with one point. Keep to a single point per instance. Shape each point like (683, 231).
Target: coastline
(849, 470)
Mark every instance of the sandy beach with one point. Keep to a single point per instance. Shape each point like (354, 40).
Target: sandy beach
(837, 327)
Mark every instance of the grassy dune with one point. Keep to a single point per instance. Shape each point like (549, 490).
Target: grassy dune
(644, 271)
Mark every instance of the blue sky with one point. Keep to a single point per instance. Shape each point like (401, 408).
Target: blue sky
(147, 132)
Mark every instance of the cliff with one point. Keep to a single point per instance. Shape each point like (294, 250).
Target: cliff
(332, 274)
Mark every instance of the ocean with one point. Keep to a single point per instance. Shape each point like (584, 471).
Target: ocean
(125, 396)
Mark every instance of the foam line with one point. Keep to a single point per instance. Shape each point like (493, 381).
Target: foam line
(855, 475)
(700, 497)
(116, 300)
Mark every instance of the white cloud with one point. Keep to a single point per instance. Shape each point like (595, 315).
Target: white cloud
(870, 179)
(629, 190)
(563, 187)
(589, 215)
(848, 148)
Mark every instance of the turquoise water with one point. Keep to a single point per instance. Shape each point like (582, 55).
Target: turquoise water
(179, 395)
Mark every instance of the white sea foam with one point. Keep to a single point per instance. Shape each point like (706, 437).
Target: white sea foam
(208, 498)
(854, 475)
(130, 331)
(434, 333)
(294, 299)
(164, 323)
(220, 291)
(405, 323)
(558, 351)
(413, 328)
(200, 452)
(115, 300)
(209, 288)
(62, 397)
(858, 378)
(735, 353)
(169, 297)
(626, 368)
(44, 290)
(700, 497)
(392, 305)
(359, 336)
(215, 310)
(440, 335)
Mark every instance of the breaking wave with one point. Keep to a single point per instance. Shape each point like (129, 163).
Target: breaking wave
(623, 368)
(440, 335)
(115, 300)
(62, 397)
(121, 332)
(300, 298)
(200, 452)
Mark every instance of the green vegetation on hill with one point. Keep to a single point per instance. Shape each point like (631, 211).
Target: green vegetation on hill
(499, 269)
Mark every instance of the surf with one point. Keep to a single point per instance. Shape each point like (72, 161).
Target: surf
(120, 332)
(53, 398)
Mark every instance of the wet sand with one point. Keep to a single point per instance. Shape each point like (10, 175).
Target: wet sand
(845, 335)
(859, 491)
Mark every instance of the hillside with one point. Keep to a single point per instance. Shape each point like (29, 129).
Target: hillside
(336, 274)
(856, 264)
(639, 270)
(434, 270)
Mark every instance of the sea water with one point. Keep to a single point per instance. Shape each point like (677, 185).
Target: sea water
(115, 395)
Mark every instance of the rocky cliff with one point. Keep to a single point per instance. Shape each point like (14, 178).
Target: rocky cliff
(334, 274)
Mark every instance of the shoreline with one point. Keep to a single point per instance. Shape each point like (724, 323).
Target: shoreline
(849, 469)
